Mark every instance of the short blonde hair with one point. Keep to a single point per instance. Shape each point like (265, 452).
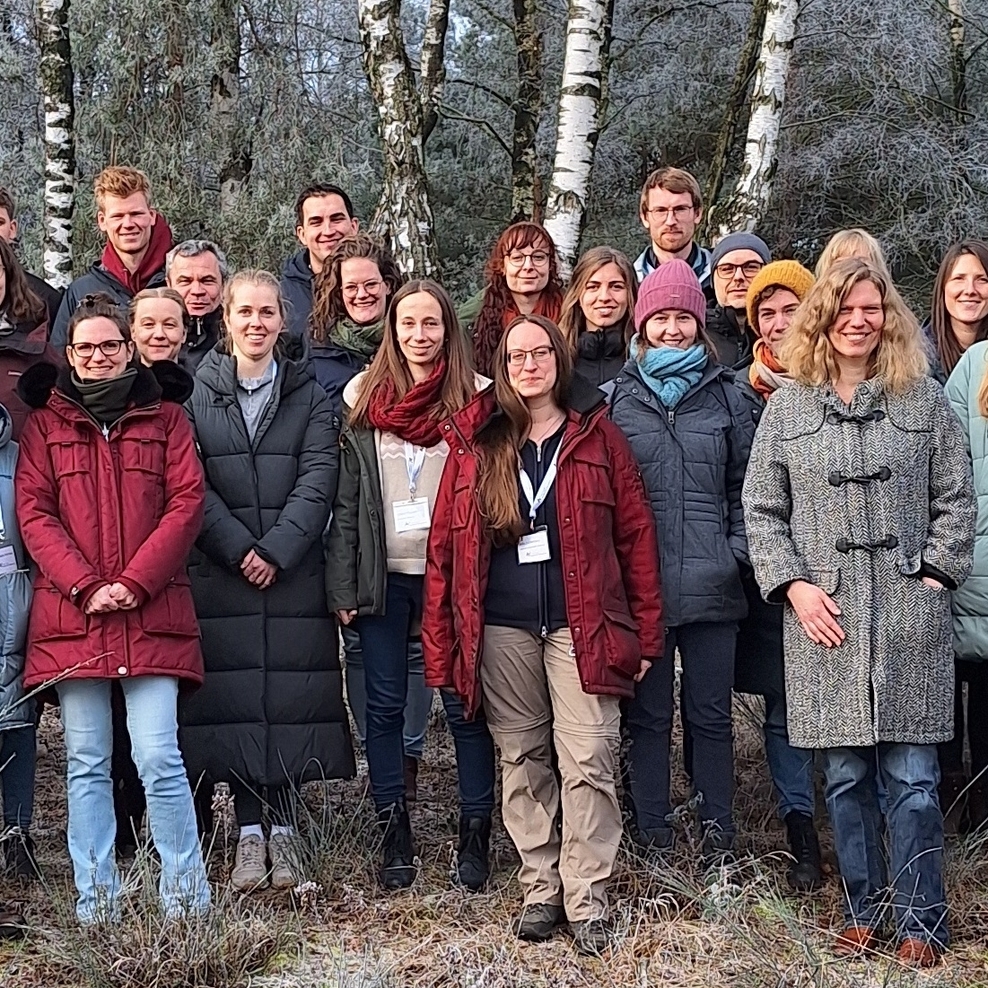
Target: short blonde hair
(807, 353)
(854, 242)
(120, 181)
(256, 277)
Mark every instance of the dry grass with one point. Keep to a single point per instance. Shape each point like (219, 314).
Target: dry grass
(673, 930)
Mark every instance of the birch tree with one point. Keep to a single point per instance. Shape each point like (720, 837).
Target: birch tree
(527, 109)
(588, 30)
(59, 140)
(750, 201)
(225, 111)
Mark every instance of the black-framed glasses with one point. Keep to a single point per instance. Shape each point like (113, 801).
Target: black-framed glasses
(109, 348)
(749, 269)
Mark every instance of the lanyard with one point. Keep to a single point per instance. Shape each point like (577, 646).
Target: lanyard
(414, 461)
(536, 500)
(3, 527)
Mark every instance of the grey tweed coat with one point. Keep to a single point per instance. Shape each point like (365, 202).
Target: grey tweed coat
(863, 500)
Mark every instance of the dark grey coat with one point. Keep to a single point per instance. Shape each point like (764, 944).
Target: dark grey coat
(271, 709)
(692, 459)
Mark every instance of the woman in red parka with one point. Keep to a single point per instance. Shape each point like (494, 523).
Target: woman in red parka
(110, 499)
(542, 592)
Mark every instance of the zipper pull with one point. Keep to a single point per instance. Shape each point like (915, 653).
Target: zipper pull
(106, 431)
(672, 417)
(545, 631)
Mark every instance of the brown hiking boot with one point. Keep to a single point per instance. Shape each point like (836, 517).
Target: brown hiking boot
(917, 953)
(854, 940)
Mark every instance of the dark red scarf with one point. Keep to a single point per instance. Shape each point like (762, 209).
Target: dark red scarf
(410, 418)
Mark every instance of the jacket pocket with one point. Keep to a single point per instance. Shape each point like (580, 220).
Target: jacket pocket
(621, 644)
(146, 454)
(53, 617)
(171, 612)
(70, 456)
(828, 580)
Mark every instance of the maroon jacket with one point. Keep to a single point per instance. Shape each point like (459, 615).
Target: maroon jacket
(609, 551)
(95, 510)
(26, 346)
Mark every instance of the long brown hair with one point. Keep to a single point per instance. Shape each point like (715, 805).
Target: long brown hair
(572, 319)
(328, 307)
(489, 325)
(389, 364)
(498, 445)
(948, 348)
(20, 303)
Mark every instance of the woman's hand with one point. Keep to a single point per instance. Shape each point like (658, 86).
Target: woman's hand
(932, 584)
(102, 601)
(258, 571)
(645, 665)
(126, 599)
(346, 616)
(817, 613)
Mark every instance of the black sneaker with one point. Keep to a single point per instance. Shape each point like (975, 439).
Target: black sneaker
(658, 844)
(539, 921)
(11, 924)
(592, 936)
(472, 864)
(397, 851)
(18, 853)
(805, 874)
(717, 851)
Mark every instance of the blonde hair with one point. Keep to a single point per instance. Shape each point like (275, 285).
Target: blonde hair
(120, 181)
(852, 243)
(983, 391)
(807, 353)
(258, 278)
(168, 293)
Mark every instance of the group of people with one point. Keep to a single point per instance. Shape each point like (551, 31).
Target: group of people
(215, 486)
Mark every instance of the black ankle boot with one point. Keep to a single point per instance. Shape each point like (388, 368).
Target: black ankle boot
(472, 864)
(397, 851)
(804, 874)
(19, 856)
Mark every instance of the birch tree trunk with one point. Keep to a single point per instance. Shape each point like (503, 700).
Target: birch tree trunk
(588, 31)
(403, 213)
(958, 61)
(234, 159)
(57, 87)
(527, 107)
(749, 203)
(433, 64)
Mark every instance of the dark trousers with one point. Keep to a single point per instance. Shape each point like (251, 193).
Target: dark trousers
(972, 724)
(18, 753)
(707, 653)
(385, 644)
(249, 801)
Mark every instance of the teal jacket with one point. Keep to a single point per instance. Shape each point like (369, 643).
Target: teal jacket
(970, 602)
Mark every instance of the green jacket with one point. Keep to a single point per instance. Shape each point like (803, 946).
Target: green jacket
(970, 601)
(467, 313)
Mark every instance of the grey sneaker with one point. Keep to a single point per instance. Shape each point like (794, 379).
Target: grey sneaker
(250, 870)
(285, 870)
(538, 921)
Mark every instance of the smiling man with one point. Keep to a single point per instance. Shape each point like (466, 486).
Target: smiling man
(137, 240)
(323, 217)
(197, 270)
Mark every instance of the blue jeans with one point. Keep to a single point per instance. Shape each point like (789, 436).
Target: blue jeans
(791, 768)
(417, 707)
(18, 752)
(910, 775)
(385, 645)
(153, 726)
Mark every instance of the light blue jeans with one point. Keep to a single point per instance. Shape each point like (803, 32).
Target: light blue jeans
(153, 727)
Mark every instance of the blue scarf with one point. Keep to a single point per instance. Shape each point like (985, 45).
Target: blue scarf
(668, 372)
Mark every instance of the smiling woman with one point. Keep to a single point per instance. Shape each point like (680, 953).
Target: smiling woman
(158, 324)
(959, 310)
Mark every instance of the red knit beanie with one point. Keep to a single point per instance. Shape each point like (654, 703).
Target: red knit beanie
(672, 285)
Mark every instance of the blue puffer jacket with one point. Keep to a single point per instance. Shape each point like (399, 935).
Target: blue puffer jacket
(15, 594)
(693, 458)
(296, 287)
(334, 367)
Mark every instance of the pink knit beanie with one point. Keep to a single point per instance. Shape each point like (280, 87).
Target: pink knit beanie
(672, 285)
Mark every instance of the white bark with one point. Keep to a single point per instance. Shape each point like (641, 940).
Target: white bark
(403, 213)
(587, 30)
(57, 87)
(750, 201)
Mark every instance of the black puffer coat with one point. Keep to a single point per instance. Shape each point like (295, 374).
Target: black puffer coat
(733, 342)
(271, 709)
(693, 459)
(600, 355)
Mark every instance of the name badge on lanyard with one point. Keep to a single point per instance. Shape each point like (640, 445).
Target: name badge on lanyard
(8, 558)
(534, 547)
(412, 515)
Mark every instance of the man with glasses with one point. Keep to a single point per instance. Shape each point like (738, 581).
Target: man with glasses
(671, 209)
(735, 261)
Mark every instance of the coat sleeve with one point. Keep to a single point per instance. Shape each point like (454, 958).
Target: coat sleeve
(767, 500)
(302, 520)
(59, 331)
(343, 537)
(438, 634)
(45, 537)
(949, 550)
(166, 550)
(739, 438)
(636, 543)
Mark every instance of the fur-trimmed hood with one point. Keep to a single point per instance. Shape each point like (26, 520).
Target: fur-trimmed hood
(162, 381)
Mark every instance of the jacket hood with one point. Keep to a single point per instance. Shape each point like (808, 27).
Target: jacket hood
(26, 338)
(297, 268)
(218, 369)
(162, 381)
(6, 426)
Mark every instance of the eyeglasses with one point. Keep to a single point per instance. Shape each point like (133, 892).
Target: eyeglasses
(749, 269)
(517, 258)
(109, 348)
(370, 287)
(541, 355)
(663, 212)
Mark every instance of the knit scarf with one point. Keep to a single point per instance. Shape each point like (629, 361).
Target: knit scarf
(410, 418)
(106, 399)
(361, 340)
(152, 262)
(669, 373)
(766, 374)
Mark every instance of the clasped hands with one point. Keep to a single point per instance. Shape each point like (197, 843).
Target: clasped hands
(111, 597)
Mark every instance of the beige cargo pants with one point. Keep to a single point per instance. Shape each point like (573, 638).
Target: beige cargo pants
(534, 702)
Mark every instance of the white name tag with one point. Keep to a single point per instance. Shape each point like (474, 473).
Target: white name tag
(411, 515)
(8, 560)
(534, 547)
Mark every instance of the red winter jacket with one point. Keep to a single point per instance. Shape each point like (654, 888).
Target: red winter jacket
(95, 510)
(610, 555)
